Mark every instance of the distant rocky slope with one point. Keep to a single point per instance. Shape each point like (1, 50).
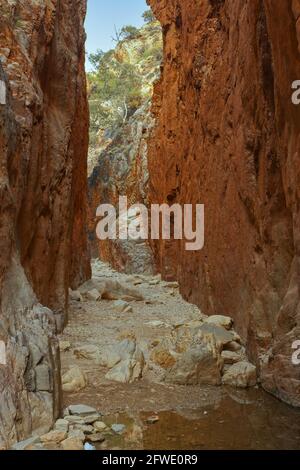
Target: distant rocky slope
(43, 147)
(228, 136)
(121, 163)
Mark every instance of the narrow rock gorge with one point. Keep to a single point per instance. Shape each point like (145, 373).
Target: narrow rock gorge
(44, 139)
(227, 136)
(124, 343)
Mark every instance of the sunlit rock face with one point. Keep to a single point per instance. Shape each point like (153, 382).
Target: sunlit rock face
(227, 136)
(118, 163)
(43, 141)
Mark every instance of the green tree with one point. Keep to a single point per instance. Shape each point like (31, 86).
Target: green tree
(148, 16)
(114, 90)
(129, 32)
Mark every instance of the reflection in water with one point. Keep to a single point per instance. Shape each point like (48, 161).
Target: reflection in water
(241, 420)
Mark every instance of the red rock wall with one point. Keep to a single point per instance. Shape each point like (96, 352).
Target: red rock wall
(43, 247)
(228, 136)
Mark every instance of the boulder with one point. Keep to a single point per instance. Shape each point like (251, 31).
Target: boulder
(53, 437)
(241, 375)
(197, 366)
(126, 360)
(72, 443)
(220, 320)
(74, 380)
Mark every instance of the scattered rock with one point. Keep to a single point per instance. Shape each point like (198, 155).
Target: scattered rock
(98, 437)
(230, 357)
(100, 426)
(81, 410)
(152, 419)
(54, 437)
(64, 346)
(220, 320)
(74, 380)
(62, 425)
(72, 443)
(128, 362)
(77, 434)
(118, 428)
(93, 295)
(242, 375)
(122, 307)
(88, 351)
(88, 446)
(75, 295)
(85, 428)
(91, 419)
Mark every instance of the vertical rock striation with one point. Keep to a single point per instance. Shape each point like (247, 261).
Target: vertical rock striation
(228, 136)
(43, 148)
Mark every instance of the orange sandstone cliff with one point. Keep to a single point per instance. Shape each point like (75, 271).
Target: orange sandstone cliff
(43, 148)
(227, 135)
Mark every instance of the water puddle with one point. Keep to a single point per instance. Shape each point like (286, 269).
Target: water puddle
(240, 420)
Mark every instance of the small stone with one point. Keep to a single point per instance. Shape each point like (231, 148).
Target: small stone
(91, 419)
(77, 434)
(230, 357)
(61, 425)
(87, 351)
(100, 426)
(74, 419)
(118, 428)
(122, 307)
(152, 419)
(81, 410)
(85, 428)
(75, 295)
(98, 437)
(72, 443)
(54, 437)
(64, 346)
(88, 446)
(93, 295)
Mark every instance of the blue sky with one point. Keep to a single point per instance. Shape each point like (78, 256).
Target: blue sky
(102, 15)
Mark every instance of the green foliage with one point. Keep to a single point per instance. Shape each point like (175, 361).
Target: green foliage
(148, 16)
(116, 87)
(129, 32)
(114, 90)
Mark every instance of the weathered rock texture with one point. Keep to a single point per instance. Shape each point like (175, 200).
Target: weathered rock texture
(43, 146)
(227, 136)
(121, 167)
